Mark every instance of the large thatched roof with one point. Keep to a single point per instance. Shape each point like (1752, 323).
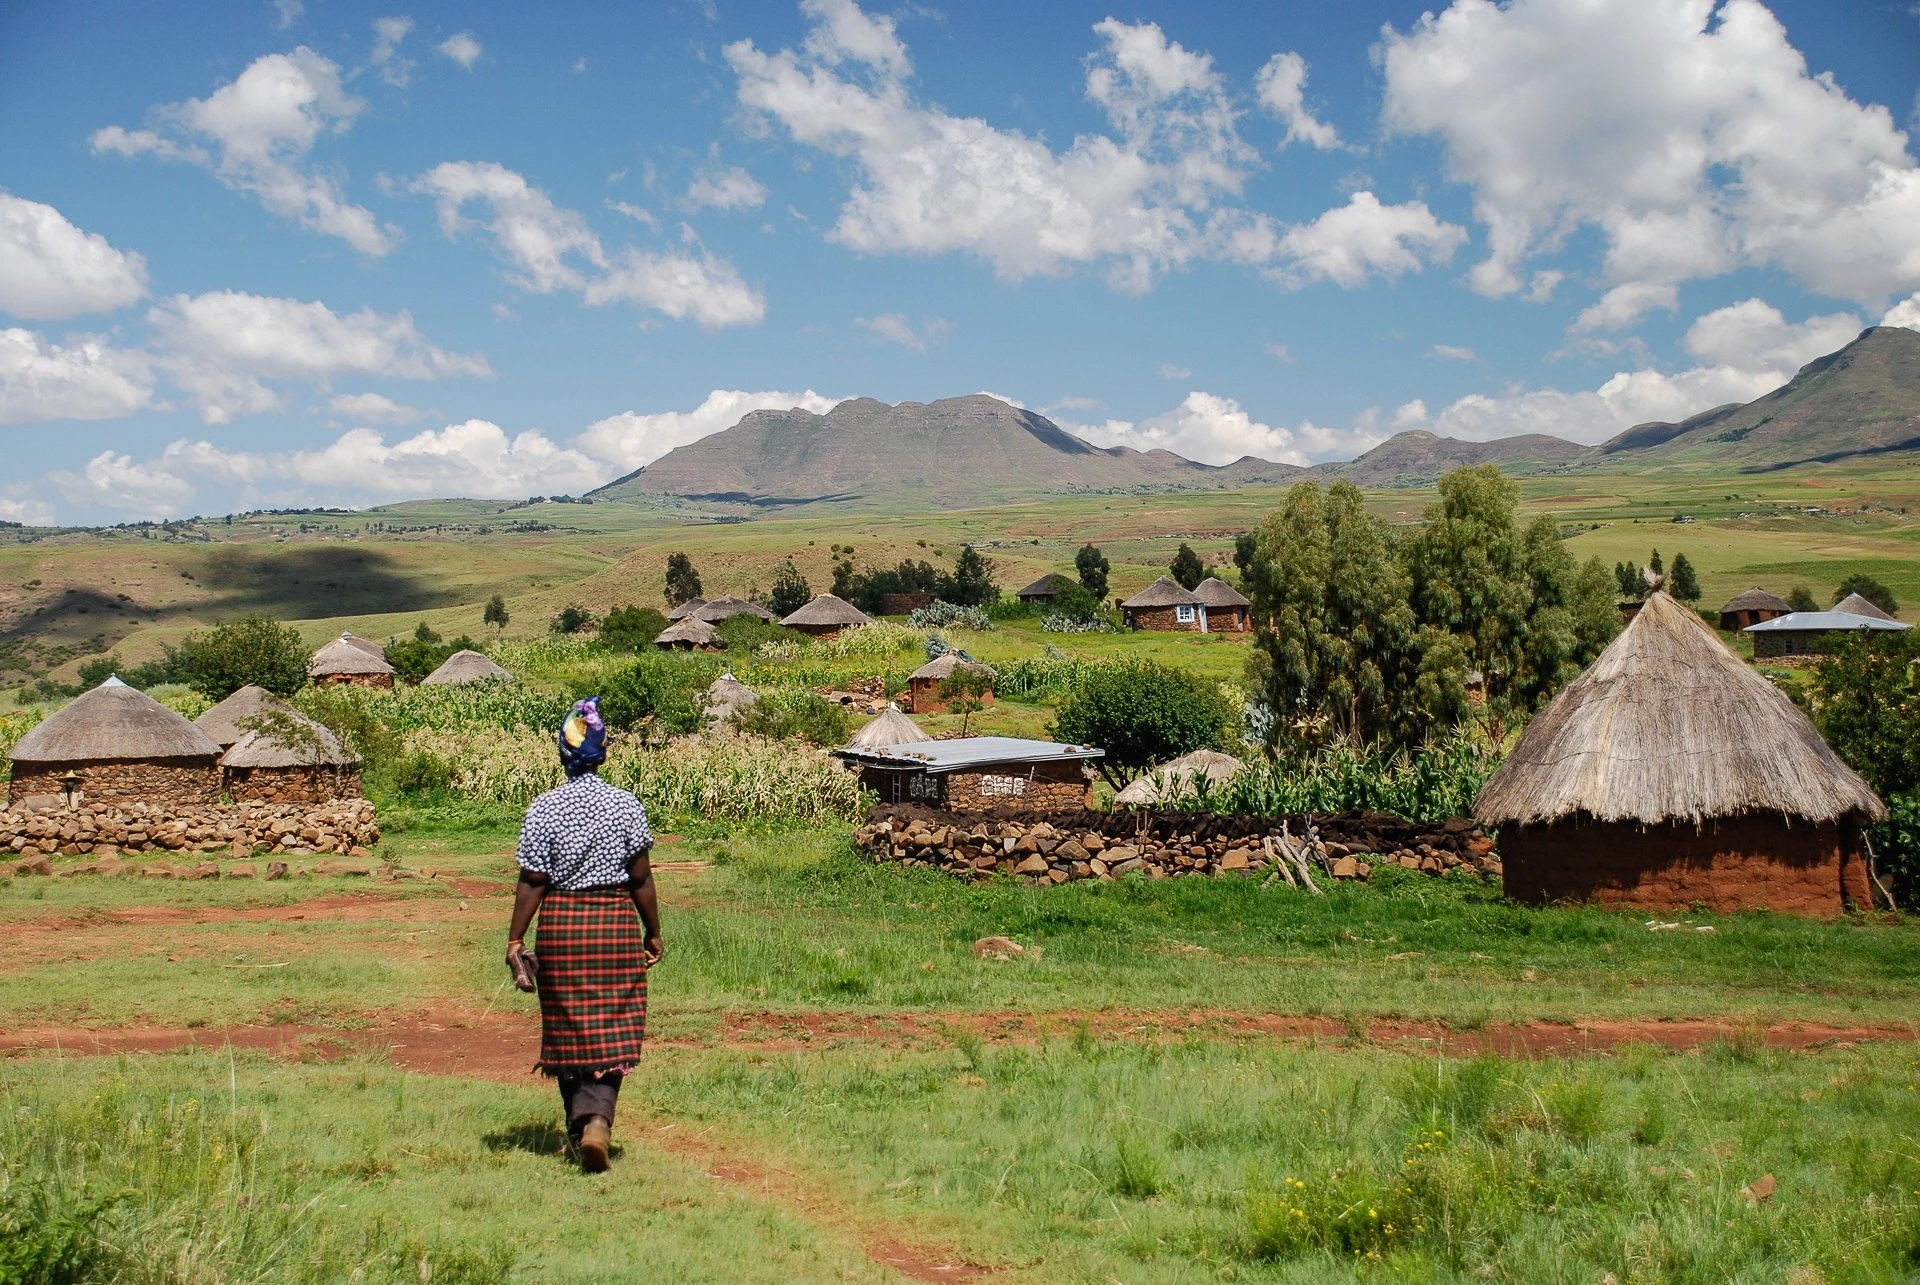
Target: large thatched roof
(1854, 605)
(1757, 599)
(686, 608)
(825, 611)
(1175, 777)
(466, 666)
(1164, 592)
(222, 722)
(1216, 592)
(728, 607)
(114, 721)
(693, 631)
(943, 665)
(261, 749)
(726, 696)
(348, 655)
(1669, 725)
(367, 645)
(1047, 586)
(891, 727)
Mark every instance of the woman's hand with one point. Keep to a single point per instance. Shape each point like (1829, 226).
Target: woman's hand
(653, 950)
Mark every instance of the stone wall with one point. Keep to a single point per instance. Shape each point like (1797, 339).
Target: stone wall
(1787, 642)
(900, 604)
(101, 829)
(1042, 787)
(291, 784)
(1742, 863)
(172, 782)
(1073, 845)
(1166, 618)
(923, 697)
(383, 682)
(1227, 620)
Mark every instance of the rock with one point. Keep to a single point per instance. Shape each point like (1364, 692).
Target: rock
(1033, 865)
(33, 866)
(1760, 1189)
(1070, 851)
(1346, 868)
(340, 868)
(206, 870)
(1115, 856)
(1058, 876)
(157, 872)
(1098, 867)
(276, 870)
(240, 872)
(1234, 859)
(998, 948)
(109, 866)
(1092, 842)
(240, 848)
(1128, 866)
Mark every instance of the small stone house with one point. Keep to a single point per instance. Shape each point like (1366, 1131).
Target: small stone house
(923, 684)
(1750, 608)
(351, 661)
(826, 616)
(690, 634)
(1165, 605)
(466, 666)
(978, 773)
(1228, 610)
(1043, 591)
(301, 762)
(1803, 633)
(119, 746)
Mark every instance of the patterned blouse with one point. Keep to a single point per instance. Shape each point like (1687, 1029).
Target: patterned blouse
(584, 834)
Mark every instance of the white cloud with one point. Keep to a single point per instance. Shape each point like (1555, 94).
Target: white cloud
(289, 12)
(1624, 305)
(552, 248)
(841, 31)
(86, 378)
(1172, 370)
(1364, 238)
(897, 328)
(1752, 335)
(1905, 313)
(1014, 402)
(50, 269)
(1453, 352)
(222, 347)
(372, 408)
(1280, 354)
(387, 35)
(1688, 133)
(1216, 430)
(1281, 86)
(465, 50)
(628, 440)
(727, 189)
(18, 506)
(265, 125)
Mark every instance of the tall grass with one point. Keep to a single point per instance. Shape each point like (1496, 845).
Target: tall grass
(880, 638)
(1053, 674)
(501, 706)
(1436, 782)
(12, 728)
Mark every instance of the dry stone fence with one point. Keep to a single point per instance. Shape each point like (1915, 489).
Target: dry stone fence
(106, 834)
(1062, 846)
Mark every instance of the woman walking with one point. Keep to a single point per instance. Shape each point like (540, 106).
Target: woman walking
(584, 870)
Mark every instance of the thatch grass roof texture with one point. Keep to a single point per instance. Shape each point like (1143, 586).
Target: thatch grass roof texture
(1047, 586)
(466, 666)
(367, 645)
(1669, 725)
(263, 749)
(686, 608)
(1176, 776)
(889, 727)
(1854, 605)
(114, 722)
(726, 696)
(691, 632)
(1164, 592)
(943, 665)
(825, 612)
(1216, 592)
(728, 607)
(1756, 599)
(222, 722)
(349, 655)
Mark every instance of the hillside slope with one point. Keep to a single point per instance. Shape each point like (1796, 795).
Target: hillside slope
(1417, 457)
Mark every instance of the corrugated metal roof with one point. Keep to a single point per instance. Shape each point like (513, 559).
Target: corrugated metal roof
(968, 752)
(1821, 622)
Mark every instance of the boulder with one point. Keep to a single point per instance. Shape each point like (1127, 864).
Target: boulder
(1234, 859)
(1346, 868)
(33, 866)
(1033, 865)
(998, 948)
(276, 870)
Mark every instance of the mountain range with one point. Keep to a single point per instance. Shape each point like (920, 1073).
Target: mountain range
(964, 451)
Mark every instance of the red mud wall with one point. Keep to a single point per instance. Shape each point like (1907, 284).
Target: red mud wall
(1736, 863)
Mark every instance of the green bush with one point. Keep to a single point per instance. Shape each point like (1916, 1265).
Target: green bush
(808, 715)
(253, 650)
(423, 653)
(658, 687)
(1432, 783)
(631, 629)
(1142, 713)
(1866, 701)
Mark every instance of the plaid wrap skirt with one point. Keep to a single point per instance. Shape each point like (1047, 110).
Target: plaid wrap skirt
(593, 981)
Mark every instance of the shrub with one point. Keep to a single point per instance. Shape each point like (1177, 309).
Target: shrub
(423, 653)
(1141, 714)
(1866, 701)
(97, 671)
(657, 688)
(571, 620)
(1093, 567)
(1432, 783)
(1186, 569)
(797, 713)
(1801, 598)
(1870, 589)
(631, 629)
(496, 612)
(790, 590)
(255, 649)
(940, 614)
(683, 582)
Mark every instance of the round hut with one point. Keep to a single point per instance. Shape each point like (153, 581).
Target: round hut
(923, 684)
(1165, 605)
(688, 635)
(1854, 605)
(1228, 610)
(295, 760)
(725, 697)
(224, 722)
(354, 661)
(888, 727)
(728, 607)
(1750, 608)
(826, 616)
(466, 666)
(1176, 777)
(685, 609)
(116, 745)
(1670, 774)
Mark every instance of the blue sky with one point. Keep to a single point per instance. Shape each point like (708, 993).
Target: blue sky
(338, 254)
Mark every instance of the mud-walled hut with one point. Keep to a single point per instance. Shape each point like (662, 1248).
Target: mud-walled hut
(826, 616)
(1750, 608)
(923, 684)
(726, 608)
(1165, 605)
(691, 634)
(1228, 611)
(358, 662)
(116, 745)
(1671, 774)
(276, 754)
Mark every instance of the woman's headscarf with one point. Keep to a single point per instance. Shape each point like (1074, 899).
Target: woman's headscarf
(583, 737)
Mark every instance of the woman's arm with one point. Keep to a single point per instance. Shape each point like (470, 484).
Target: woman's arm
(646, 900)
(527, 896)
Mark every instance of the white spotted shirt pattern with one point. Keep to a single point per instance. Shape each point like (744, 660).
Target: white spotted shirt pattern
(584, 834)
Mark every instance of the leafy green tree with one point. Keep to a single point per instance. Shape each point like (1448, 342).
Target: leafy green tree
(1073, 602)
(255, 649)
(423, 653)
(1142, 714)
(1870, 589)
(807, 715)
(571, 619)
(631, 629)
(659, 690)
(1866, 700)
(97, 671)
(1682, 583)
(683, 582)
(1185, 568)
(496, 612)
(1628, 581)
(1093, 568)
(1654, 564)
(1801, 598)
(972, 582)
(1246, 547)
(790, 590)
(964, 692)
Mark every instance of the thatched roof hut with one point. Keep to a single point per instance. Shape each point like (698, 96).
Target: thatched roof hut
(122, 746)
(687, 635)
(466, 666)
(1228, 610)
(1670, 772)
(889, 727)
(826, 616)
(1750, 608)
(222, 722)
(300, 762)
(1165, 605)
(726, 696)
(1176, 777)
(943, 665)
(728, 607)
(686, 609)
(1045, 589)
(923, 684)
(1854, 605)
(350, 660)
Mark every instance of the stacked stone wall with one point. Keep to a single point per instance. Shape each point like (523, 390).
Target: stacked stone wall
(1165, 618)
(99, 830)
(170, 782)
(292, 784)
(383, 682)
